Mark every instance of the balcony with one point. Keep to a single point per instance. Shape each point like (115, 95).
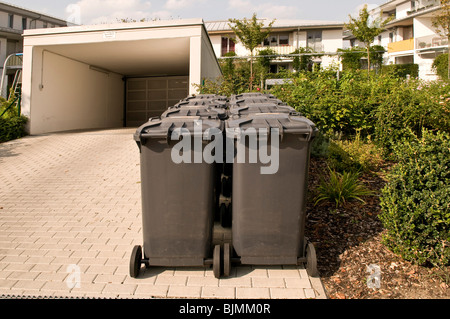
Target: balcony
(431, 42)
(283, 49)
(399, 46)
(423, 5)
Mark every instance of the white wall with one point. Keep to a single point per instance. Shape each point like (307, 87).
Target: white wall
(402, 10)
(332, 40)
(73, 96)
(216, 41)
(210, 69)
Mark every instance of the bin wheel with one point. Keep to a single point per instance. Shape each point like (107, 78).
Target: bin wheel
(311, 261)
(226, 259)
(135, 261)
(216, 261)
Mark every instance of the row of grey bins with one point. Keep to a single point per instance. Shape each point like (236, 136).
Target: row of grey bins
(182, 203)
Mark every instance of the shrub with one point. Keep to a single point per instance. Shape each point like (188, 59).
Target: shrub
(402, 70)
(354, 155)
(410, 107)
(340, 188)
(415, 204)
(440, 66)
(12, 125)
(12, 128)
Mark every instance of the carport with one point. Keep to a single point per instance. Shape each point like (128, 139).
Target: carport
(105, 76)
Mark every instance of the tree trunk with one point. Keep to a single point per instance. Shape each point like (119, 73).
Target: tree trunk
(448, 73)
(251, 71)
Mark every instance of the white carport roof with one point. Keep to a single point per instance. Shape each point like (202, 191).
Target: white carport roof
(152, 48)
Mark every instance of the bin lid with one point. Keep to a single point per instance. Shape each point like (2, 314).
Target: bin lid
(201, 102)
(207, 97)
(255, 100)
(162, 128)
(252, 95)
(262, 108)
(286, 123)
(202, 111)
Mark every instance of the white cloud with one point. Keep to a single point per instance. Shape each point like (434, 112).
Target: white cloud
(263, 10)
(110, 11)
(181, 4)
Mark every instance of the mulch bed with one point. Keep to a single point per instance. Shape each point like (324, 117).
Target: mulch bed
(348, 241)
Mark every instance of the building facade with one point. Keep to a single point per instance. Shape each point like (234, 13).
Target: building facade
(411, 37)
(13, 21)
(286, 37)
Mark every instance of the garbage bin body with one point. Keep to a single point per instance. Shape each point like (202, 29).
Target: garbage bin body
(177, 199)
(269, 209)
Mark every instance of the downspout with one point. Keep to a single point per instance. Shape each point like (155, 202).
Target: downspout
(40, 16)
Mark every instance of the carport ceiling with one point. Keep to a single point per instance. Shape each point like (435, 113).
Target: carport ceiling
(132, 58)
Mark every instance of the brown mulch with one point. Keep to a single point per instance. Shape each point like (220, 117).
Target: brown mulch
(348, 240)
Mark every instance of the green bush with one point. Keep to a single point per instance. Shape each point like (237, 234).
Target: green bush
(415, 203)
(402, 70)
(354, 155)
(12, 128)
(440, 66)
(408, 108)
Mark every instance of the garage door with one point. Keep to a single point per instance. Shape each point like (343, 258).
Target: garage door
(150, 97)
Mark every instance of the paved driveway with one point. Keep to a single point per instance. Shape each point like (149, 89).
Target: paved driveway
(70, 208)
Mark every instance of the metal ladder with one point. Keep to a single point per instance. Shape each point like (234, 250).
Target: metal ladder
(16, 85)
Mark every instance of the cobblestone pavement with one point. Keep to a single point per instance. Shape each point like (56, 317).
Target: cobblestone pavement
(70, 214)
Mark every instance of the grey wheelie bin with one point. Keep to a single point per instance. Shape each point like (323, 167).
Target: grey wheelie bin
(177, 196)
(269, 208)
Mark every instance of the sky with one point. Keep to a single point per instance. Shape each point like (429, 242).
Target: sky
(107, 11)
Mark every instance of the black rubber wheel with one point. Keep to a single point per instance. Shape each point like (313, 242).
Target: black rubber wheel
(135, 261)
(226, 260)
(311, 261)
(217, 261)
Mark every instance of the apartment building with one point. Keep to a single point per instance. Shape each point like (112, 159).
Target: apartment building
(410, 37)
(286, 36)
(13, 21)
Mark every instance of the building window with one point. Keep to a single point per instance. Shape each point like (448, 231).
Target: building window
(275, 40)
(11, 21)
(45, 25)
(408, 33)
(24, 23)
(391, 37)
(413, 5)
(284, 39)
(228, 45)
(314, 40)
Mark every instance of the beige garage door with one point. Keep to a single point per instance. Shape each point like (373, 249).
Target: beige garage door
(150, 97)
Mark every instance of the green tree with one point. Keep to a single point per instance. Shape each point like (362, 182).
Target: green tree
(365, 30)
(250, 33)
(441, 24)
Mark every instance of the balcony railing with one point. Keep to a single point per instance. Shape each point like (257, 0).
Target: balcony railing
(399, 46)
(423, 5)
(431, 41)
(284, 49)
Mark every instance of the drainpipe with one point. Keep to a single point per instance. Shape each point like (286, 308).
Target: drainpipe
(40, 16)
